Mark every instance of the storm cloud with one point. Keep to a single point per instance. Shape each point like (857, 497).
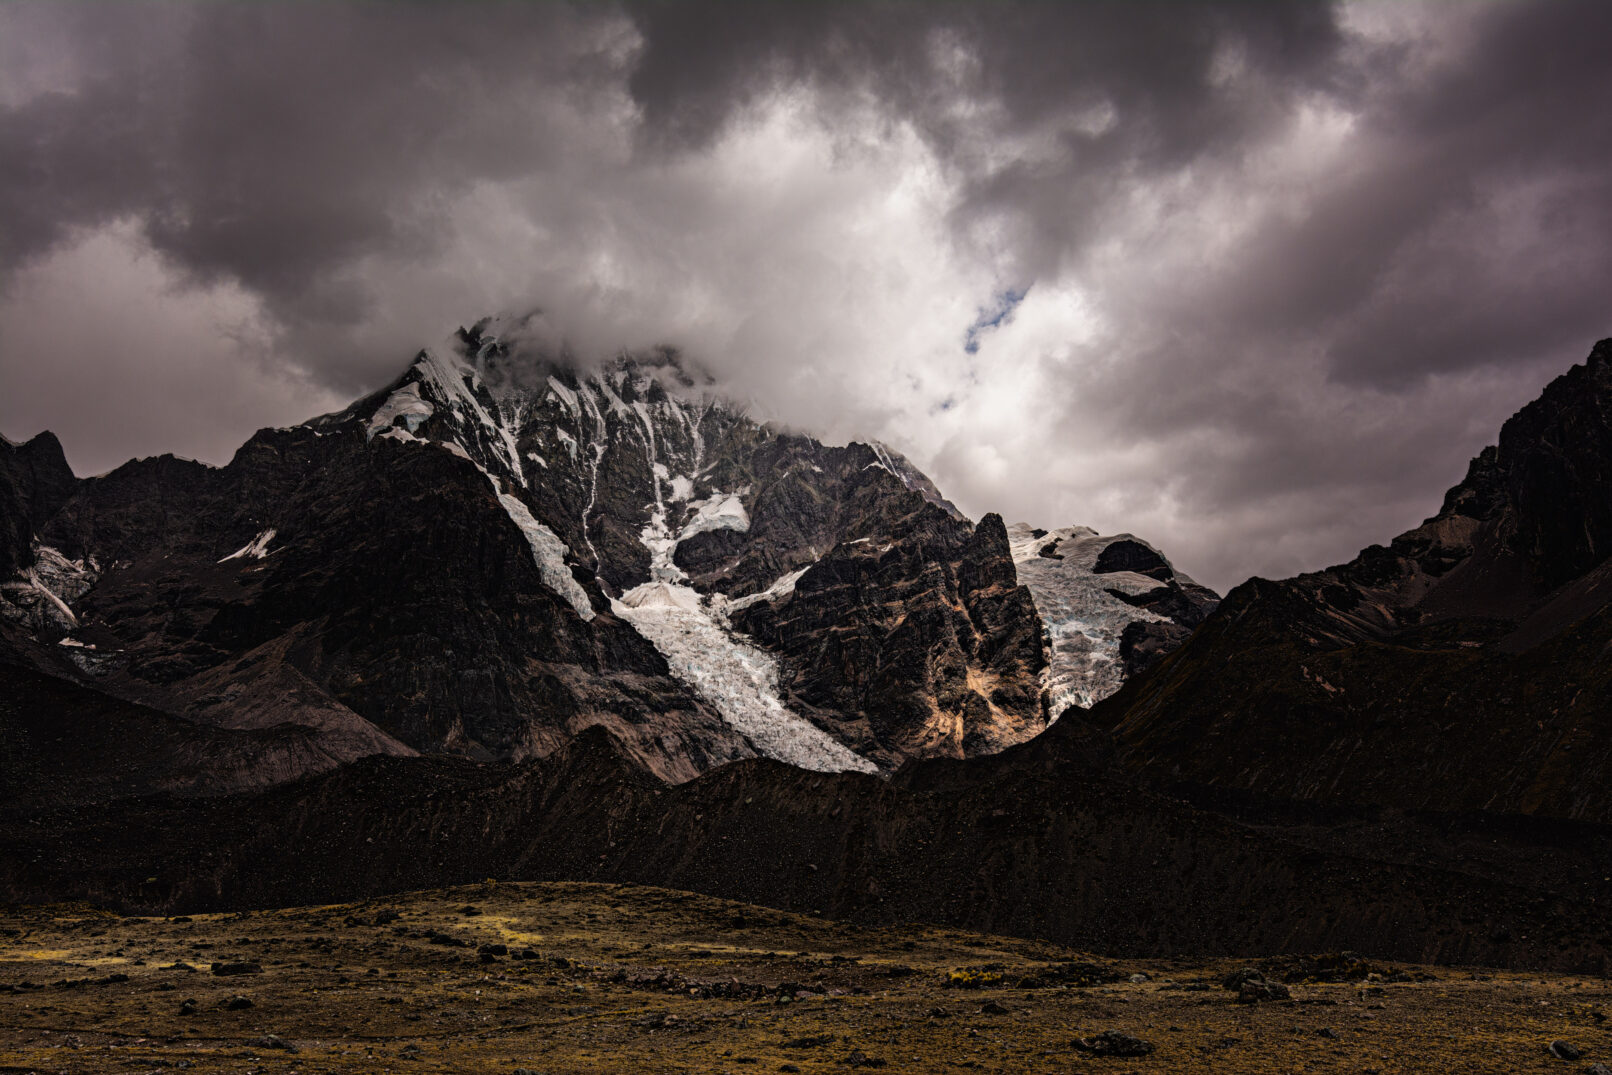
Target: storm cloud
(1250, 280)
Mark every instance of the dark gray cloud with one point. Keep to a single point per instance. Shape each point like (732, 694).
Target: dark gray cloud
(1284, 266)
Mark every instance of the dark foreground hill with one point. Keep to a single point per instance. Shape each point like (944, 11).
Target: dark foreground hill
(1467, 665)
(1046, 840)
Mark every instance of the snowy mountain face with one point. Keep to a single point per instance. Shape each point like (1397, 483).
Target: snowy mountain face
(501, 549)
(683, 512)
(1111, 605)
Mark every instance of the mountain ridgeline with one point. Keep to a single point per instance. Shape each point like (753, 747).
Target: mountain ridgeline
(506, 619)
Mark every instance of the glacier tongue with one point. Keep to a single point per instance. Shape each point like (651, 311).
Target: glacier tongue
(738, 679)
(549, 553)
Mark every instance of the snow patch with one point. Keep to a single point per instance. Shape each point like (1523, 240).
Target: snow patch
(399, 434)
(723, 511)
(549, 553)
(569, 441)
(256, 549)
(406, 404)
(682, 488)
(565, 396)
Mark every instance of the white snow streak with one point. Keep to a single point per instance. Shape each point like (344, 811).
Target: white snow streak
(255, 549)
(549, 552)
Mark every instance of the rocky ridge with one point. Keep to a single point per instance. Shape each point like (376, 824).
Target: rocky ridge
(1468, 651)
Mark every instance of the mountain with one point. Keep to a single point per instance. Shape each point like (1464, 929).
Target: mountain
(1461, 667)
(1404, 755)
(502, 548)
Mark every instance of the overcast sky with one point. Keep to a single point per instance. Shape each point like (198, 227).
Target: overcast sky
(1252, 281)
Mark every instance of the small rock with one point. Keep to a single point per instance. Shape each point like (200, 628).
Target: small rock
(991, 1007)
(243, 967)
(1327, 1032)
(237, 1003)
(1139, 978)
(1234, 981)
(1256, 991)
(1563, 1050)
(272, 1041)
(812, 1042)
(1598, 1069)
(187, 1007)
(469, 910)
(859, 1059)
(1113, 1043)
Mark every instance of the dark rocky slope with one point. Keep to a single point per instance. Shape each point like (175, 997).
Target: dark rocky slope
(1461, 667)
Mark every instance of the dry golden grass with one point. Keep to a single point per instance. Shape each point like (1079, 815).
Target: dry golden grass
(634, 979)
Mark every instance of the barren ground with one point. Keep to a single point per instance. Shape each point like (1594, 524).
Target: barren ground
(607, 978)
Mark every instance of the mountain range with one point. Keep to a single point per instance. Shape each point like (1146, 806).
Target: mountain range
(509, 617)
(498, 550)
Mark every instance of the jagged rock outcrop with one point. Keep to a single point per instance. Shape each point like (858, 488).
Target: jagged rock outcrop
(1469, 651)
(917, 641)
(35, 481)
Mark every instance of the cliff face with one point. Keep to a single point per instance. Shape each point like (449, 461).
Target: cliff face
(35, 481)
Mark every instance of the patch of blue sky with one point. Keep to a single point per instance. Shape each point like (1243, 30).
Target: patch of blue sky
(1001, 308)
